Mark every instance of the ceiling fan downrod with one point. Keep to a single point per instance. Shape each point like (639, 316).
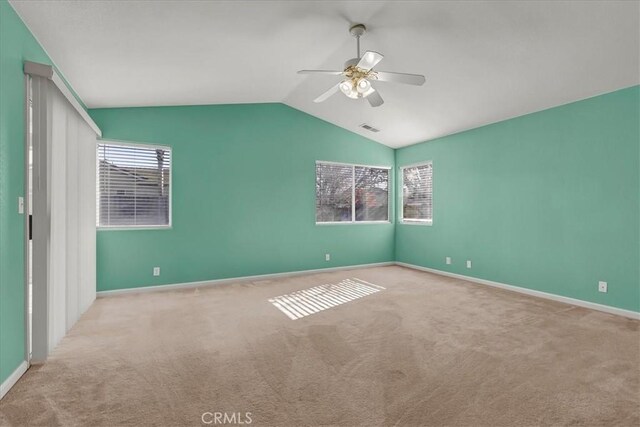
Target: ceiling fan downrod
(357, 31)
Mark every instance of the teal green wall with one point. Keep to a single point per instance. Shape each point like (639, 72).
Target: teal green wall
(548, 201)
(243, 196)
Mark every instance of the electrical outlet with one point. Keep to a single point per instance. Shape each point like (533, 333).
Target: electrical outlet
(468, 263)
(156, 271)
(327, 257)
(447, 260)
(602, 287)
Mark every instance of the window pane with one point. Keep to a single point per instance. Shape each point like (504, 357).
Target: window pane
(372, 194)
(417, 198)
(133, 185)
(334, 184)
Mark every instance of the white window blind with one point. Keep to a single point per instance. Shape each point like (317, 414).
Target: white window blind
(134, 185)
(350, 193)
(372, 194)
(334, 192)
(417, 193)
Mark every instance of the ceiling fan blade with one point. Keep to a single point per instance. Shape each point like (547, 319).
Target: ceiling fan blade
(369, 60)
(374, 98)
(328, 93)
(408, 79)
(328, 72)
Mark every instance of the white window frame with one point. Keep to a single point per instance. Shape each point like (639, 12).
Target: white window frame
(353, 194)
(401, 218)
(132, 227)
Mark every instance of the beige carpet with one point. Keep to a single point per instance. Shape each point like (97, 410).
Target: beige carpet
(427, 350)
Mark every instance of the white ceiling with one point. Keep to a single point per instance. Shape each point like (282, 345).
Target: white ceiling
(485, 61)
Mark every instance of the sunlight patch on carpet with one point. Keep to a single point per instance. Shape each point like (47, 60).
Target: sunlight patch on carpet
(319, 298)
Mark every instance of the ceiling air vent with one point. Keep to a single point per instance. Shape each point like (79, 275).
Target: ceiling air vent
(370, 128)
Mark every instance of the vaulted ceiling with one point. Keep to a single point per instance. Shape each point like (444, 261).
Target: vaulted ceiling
(485, 61)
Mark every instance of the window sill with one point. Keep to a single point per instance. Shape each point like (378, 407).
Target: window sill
(135, 227)
(417, 222)
(352, 222)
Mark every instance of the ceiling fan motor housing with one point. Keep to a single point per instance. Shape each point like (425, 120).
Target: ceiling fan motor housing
(351, 62)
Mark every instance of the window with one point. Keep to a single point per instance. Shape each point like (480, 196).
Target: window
(134, 185)
(417, 194)
(350, 193)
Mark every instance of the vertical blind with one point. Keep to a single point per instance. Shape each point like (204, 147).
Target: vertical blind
(417, 193)
(344, 191)
(64, 212)
(133, 185)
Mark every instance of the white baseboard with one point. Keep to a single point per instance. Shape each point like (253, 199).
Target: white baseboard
(13, 378)
(539, 294)
(236, 279)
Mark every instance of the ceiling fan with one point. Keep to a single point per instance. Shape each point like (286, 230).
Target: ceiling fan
(359, 73)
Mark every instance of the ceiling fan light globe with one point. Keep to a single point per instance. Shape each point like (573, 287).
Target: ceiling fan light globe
(346, 87)
(363, 86)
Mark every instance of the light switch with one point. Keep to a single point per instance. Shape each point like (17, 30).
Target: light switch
(21, 205)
